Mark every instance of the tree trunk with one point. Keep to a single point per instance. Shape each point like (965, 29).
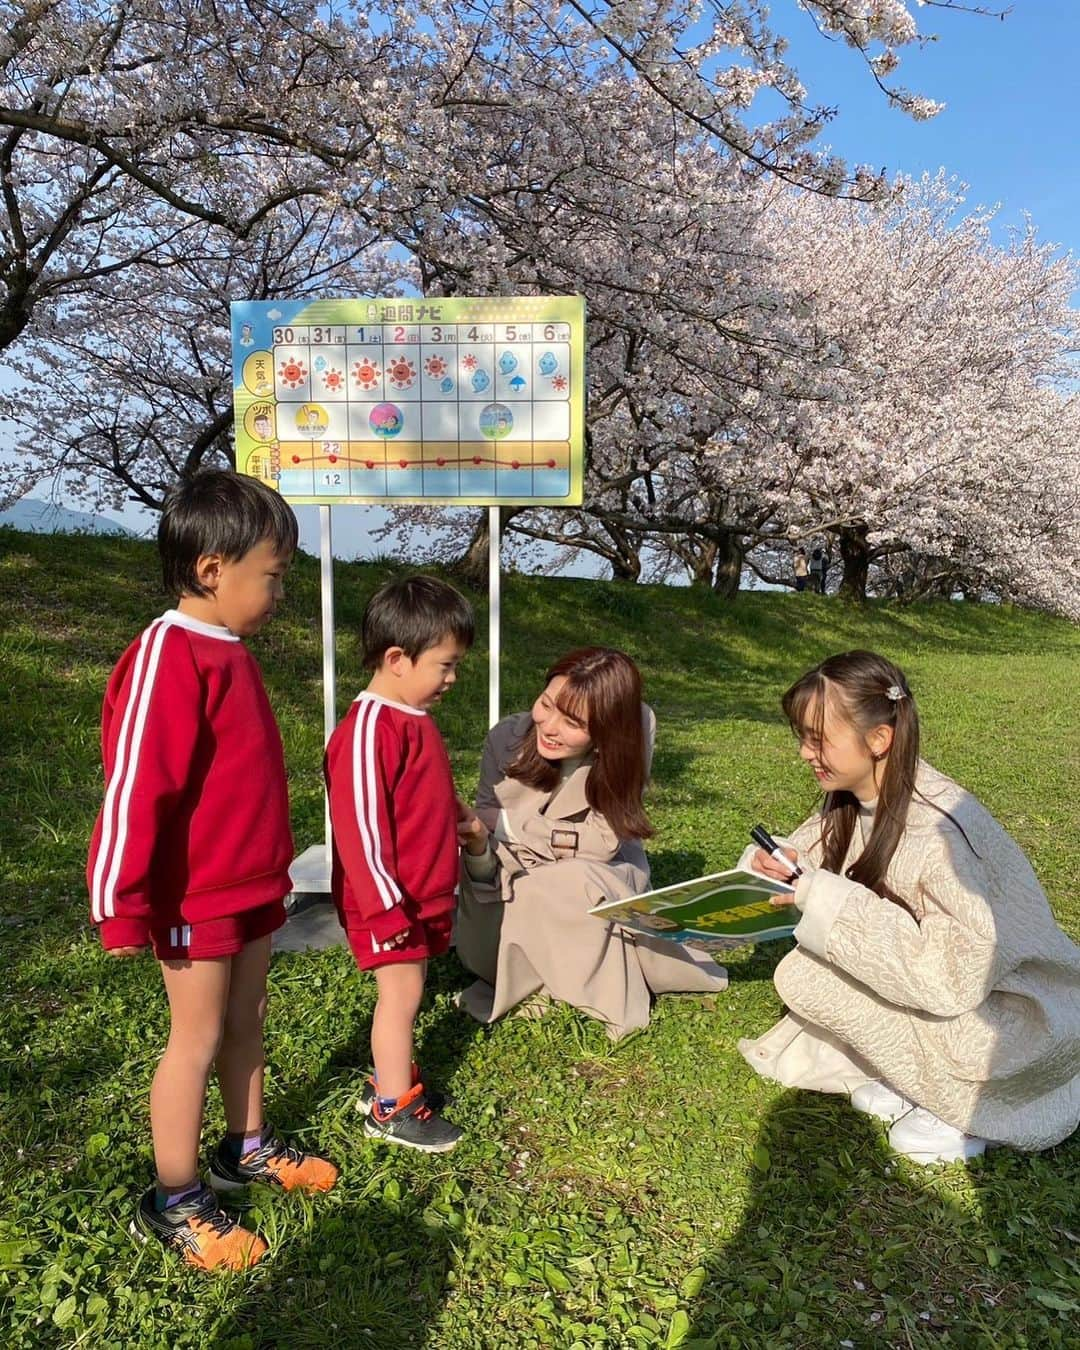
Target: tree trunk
(625, 559)
(855, 554)
(730, 552)
(214, 435)
(13, 320)
(471, 568)
(701, 561)
(626, 566)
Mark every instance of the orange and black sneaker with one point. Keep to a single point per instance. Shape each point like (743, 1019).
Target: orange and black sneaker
(274, 1163)
(200, 1231)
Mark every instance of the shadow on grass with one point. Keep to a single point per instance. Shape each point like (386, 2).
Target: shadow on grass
(61, 1064)
(842, 1243)
(373, 1255)
(758, 961)
(669, 866)
(443, 1038)
(372, 1274)
(373, 1268)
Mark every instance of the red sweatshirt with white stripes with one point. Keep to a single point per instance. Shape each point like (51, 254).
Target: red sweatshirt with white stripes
(195, 823)
(394, 817)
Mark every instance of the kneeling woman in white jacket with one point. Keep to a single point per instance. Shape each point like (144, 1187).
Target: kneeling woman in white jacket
(930, 980)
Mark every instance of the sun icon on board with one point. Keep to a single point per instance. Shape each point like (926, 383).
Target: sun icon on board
(401, 372)
(366, 373)
(292, 373)
(435, 367)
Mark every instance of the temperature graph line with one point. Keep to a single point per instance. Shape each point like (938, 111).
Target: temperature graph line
(439, 462)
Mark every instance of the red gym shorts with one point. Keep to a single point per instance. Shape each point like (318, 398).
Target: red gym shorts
(216, 937)
(426, 937)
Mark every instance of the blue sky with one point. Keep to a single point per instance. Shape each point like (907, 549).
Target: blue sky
(1009, 128)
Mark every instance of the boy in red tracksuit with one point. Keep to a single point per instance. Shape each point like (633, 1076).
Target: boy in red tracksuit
(394, 815)
(190, 854)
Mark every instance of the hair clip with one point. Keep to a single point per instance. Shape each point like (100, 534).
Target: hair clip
(894, 693)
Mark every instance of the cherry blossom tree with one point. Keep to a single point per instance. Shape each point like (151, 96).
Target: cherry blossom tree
(889, 359)
(951, 356)
(220, 113)
(122, 408)
(134, 133)
(781, 347)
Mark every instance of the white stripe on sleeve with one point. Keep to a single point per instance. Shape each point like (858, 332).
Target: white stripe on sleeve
(366, 803)
(108, 900)
(116, 778)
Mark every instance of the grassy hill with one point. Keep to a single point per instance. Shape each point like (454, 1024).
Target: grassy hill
(651, 1194)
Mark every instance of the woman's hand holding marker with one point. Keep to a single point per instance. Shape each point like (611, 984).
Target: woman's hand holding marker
(770, 861)
(769, 866)
(772, 867)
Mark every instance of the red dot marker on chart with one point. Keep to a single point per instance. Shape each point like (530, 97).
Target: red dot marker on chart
(476, 459)
(515, 464)
(404, 463)
(441, 462)
(296, 459)
(332, 458)
(370, 463)
(551, 463)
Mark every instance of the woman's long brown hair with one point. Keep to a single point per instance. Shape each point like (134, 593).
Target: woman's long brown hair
(603, 691)
(856, 685)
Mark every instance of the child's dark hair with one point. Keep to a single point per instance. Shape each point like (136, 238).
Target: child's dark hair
(218, 511)
(868, 691)
(414, 613)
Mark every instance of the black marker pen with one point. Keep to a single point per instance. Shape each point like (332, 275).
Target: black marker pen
(761, 836)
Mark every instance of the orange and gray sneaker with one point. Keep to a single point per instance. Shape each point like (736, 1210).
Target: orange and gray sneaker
(200, 1231)
(366, 1101)
(274, 1163)
(413, 1123)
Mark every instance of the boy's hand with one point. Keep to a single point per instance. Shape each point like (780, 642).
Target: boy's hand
(125, 951)
(471, 831)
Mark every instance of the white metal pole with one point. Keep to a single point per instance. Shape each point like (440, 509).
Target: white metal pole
(329, 668)
(494, 602)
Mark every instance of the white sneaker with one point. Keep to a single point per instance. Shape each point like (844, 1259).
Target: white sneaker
(923, 1138)
(875, 1099)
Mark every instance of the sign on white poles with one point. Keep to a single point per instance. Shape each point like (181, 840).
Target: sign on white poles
(461, 401)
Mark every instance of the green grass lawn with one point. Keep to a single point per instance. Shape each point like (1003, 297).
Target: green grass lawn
(655, 1193)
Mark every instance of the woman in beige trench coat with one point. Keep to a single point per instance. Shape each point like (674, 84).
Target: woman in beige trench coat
(557, 829)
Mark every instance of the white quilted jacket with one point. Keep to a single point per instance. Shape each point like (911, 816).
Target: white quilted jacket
(971, 1008)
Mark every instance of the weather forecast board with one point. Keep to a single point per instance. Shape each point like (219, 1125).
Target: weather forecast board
(472, 401)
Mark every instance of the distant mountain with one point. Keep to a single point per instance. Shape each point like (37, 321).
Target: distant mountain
(44, 518)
